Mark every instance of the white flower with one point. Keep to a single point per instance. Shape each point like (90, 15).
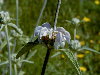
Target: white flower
(47, 35)
(75, 44)
(4, 17)
(75, 20)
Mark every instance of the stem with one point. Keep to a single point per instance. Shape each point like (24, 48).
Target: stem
(15, 67)
(39, 18)
(45, 61)
(75, 34)
(17, 3)
(9, 53)
(56, 15)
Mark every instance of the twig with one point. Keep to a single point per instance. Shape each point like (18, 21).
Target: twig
(56, 15)
(40, 16)
(45, 61)
(9, 53)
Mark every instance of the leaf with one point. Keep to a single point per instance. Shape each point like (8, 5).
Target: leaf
(72, 58)
(1, 27)
(15, 28)
(3, 44)
(27, 47)
(90, 49)
(31, 54)
(3, 63)
(27, 61)
(56, 54)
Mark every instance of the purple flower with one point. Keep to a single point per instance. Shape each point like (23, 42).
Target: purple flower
(48, 35)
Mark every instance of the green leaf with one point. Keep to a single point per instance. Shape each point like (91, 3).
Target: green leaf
(90, 49)
(27, 47)
(27, 61)
(15, 28)
(56, 54)
(3, 63)
(31, 54)
(72, 58)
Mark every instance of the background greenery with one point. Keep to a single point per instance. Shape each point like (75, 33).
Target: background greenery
(88, 33)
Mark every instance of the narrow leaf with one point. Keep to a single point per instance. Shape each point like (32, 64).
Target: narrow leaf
(3, 63)
(72, 58)
(27, 47)
(27, 61)
(56, 54)
(90, 49)
(15, 28)
(31, 54)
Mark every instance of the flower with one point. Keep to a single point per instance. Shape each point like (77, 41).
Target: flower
(91, 41)
(49, 36)
(77, 37)
(87, 52)
(82, 43)
(62, 56)
(75, 44)
(97, 2)
(80, 55)
(82, 68)
(86, 19)
(4, 17)
(75, 20)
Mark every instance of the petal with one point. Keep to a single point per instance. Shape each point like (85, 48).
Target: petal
(47, 25)
(50, 33)
(59, 37)
(56, 45)
(67, 36)
(43, 32)
(66, 33)
(61, 29)
(37, 30)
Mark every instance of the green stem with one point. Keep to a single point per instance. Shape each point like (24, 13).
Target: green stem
(56, 15)
(17, 2)
(9, 53)
(15, 67)
(43, 7)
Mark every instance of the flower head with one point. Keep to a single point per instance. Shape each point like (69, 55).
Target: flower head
(75, 20)
(97, 2)
(4, 17)
(49, 36)
(75, 44)
(82, 68)
(86, 19)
